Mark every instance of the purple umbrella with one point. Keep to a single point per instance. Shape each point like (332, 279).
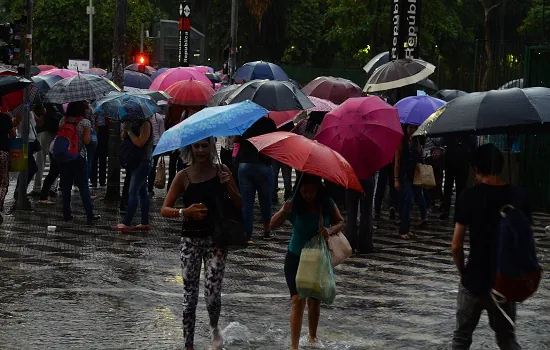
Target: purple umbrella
(415, 110)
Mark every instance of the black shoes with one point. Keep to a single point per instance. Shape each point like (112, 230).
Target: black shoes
(268, 235)
(93, 219)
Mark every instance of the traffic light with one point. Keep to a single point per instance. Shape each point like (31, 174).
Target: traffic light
(142, 60)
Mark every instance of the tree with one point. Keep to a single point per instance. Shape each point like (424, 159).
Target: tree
(488, 7)
(536, 24)
(304, 36)
(258, 8)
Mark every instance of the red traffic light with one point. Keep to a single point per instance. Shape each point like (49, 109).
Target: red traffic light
(141, 60)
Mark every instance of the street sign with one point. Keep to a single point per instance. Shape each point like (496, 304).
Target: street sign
(79, 65)
(185, 33)
(405, 22)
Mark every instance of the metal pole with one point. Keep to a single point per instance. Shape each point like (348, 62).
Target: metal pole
(141, 43)
(234, 21)
(22, 202)
(91, 59)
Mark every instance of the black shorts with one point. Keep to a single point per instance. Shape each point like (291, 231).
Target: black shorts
(291, 269)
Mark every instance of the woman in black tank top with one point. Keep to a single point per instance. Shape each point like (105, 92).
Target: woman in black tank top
(200, 185)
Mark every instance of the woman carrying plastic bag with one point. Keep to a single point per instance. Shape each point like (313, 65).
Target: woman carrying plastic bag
(304, 211)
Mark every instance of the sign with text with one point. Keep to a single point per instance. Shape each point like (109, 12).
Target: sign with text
(79, 65)
(185, 34)
(405, 17)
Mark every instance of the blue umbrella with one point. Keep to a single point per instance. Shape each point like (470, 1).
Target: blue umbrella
(220, 121)
(135, 79)
(260, 70)
(110, 106)
(415, 110)
(158, 72)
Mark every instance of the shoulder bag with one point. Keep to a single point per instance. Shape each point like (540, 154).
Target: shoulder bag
(338, 244)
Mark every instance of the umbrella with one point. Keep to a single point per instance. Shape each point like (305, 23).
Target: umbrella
(514, 83)
(10, 84)
(449, 95)
(377, 61)
(135, 79)
(135, 68)
(398, 73)
(211, 122)
(63, 73)
(132, 110)
(190, 93)
(307, 156)
(213, 77)
(34, 70)
(336, 90)
(173, 75)
(365, 130)
(155, 95)
(45, 67)
(203, 69)
(221, 95)
(415, 110)
(295, 82)
(45, 82)
(260, 70)
(158, 72)
(7, 71)
(272, 95)
(110, 105)
(281, 118)
(97, 71)
(13, 102)
(428, 84)
(79, 88)
(321, 105)
(493, 112)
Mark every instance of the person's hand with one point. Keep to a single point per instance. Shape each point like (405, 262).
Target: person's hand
(197, 212)
(287, 207)
(397, 185)
(126, 127)
(224, 177)
(324, 232)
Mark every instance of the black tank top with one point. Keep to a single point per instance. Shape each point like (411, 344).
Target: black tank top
(205, 192)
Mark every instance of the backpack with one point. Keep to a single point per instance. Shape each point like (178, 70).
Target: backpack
(65, 145)
(132, 155)
(518, 272)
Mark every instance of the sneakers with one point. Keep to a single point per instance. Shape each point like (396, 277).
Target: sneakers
(268, 235)
(93, 219)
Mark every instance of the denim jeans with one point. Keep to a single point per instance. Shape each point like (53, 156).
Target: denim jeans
(255, 177)
(360, 236)
(99, 162)
(74, 172)
(469, 308)
(138, 192)
(408, 195)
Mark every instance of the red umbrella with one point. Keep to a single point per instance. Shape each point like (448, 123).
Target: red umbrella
(45, 67)
(190, 93)
(7, 71)
(307, 156)
(281, 118)
(173, 75)
(365, 130)
(336, 90)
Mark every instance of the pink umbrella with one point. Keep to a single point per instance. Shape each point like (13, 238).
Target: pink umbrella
(63, 73)
(173, 75)
(321, 105)
(365, 130)
(202, 69)
(45, 67)
(281, 118)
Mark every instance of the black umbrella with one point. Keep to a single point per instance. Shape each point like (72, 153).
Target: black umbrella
(45, 82)
(273, 95)
(449, 95)
(493, 112)
(12, 83)
(221, 95)
(377, 61)
(34, 70)
(213, 77)
(398, 73)
(513, 83)
(428, 84)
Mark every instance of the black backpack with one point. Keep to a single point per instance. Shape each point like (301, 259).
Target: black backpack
(130, 154)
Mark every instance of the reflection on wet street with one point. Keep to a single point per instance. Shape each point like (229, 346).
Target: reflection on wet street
(90, 288)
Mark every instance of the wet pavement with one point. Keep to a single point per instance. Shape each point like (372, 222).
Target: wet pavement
(86, 287)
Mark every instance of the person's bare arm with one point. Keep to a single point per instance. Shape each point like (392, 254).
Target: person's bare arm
(458, 247)
(336, 222)
(17, 119)
(279, 218)
(176, 189)
(144, 133)
(233, 190)
(86, 136)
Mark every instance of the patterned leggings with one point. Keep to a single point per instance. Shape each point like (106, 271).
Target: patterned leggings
(193, 252)
(4, 176)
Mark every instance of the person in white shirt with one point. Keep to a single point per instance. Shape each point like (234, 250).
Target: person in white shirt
(157, 122)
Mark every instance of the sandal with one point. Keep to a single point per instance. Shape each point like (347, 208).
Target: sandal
(122, 228)
(142, 227)
(405, 237)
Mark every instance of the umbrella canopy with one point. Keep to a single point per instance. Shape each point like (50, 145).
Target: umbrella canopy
(398, 73)
(79, 88)
(97, 71)
(135, 68)
(173, 75)
(493, 112)
(13, 102)
(211, 122)
(158, 72)
(428, 84)
(272, 95)
(365, 131)
(336, 90)
(190, 93)
(307, 156)
(203, 69)
(281, 118)
(260, 70)
(45, 67)
(10, 84)
(415, 110)
(110, 105)
(134, 79)
(511, 84)
(449, 95)
(34, 70)
(377, 61)
(221, 95)
(155, 95)
(213, 77)
(321, 105)
(132, 110)
(63, 73)
(45, 82)
(7, 71)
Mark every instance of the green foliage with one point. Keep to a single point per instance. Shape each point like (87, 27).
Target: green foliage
(304, 35)
(537, 23)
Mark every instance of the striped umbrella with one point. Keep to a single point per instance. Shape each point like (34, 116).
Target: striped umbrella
(398, 73)
(79, 88)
